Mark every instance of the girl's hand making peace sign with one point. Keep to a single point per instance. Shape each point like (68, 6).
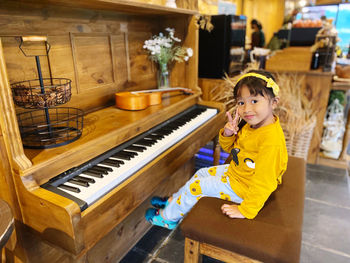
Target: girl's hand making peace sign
(231, 127)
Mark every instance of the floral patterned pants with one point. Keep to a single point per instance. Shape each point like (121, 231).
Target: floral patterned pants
(210, 181)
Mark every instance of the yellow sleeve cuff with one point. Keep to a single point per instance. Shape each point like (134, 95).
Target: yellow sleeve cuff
(246, 213)
(225, 142)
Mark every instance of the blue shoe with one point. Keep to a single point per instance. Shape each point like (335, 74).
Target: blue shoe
(153, 216)
(159, 202)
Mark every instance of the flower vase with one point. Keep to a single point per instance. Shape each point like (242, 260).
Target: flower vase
(163, 76)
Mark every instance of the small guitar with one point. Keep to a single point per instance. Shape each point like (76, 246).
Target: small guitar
(139, 100)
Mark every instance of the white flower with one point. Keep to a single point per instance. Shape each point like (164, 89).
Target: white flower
(189, 52)
(164, 48)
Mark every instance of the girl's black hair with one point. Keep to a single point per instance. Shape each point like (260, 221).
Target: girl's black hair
(255, 85)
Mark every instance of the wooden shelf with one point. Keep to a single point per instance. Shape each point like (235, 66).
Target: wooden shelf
(103, 130)
(343, 164)
(345, 86)
(122, 6)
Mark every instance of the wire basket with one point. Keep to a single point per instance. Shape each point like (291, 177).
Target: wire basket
(31, 94)
(65, 125)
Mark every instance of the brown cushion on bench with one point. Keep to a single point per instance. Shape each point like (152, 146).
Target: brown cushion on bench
(274, 235)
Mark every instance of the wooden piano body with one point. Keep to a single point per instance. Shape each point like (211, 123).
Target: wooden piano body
(98, 45)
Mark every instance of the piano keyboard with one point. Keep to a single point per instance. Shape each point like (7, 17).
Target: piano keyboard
(89, 182)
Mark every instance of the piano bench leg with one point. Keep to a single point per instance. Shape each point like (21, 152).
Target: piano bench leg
(192, 253)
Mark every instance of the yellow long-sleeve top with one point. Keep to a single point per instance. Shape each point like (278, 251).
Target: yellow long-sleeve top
(259, 160)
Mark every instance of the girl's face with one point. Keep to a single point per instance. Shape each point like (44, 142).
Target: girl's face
(256, 110)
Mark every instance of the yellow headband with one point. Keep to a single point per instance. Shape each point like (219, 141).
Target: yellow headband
(270, 83)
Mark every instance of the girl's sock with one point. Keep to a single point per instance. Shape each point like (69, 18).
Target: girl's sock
(154, 217)
(159, 202)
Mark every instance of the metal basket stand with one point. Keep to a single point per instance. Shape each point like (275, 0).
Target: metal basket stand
(48, 126)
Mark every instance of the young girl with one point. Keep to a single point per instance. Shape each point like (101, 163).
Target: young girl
(259, 154)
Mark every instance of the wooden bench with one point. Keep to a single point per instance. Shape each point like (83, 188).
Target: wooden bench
(274, 235)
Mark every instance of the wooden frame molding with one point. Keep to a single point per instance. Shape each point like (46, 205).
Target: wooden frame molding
(194, 251)
(8, 123)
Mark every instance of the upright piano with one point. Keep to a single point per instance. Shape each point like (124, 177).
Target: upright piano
(76, 198)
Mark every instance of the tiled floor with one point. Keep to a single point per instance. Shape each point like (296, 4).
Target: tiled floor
(326, 228)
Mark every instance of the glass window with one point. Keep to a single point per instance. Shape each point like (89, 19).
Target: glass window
(316, 12)
(343, 27)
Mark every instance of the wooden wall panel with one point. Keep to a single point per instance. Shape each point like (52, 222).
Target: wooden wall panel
(142, 71)
(116, 62)
(59, 55)
(119, 58)
(178, 68)
(19, 66)
(93, 62)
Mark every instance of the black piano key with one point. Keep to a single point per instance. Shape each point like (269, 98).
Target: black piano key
(144, 143)
(85, 179)
(182, 122)
(186, 118)
(133, 154)
(121, 156)
(94, 171)
(130, 153)
(110, 162)
(150, 140)
(155, 136)
(161, 132)
(93, 174)
(103, 168)
(178, 122)
(166, 128)
(69, 188)
(102, 171)
(136, 148)
(126, 153)
(148, 137)
(114, 161)
(173, 126)
(77, 182)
